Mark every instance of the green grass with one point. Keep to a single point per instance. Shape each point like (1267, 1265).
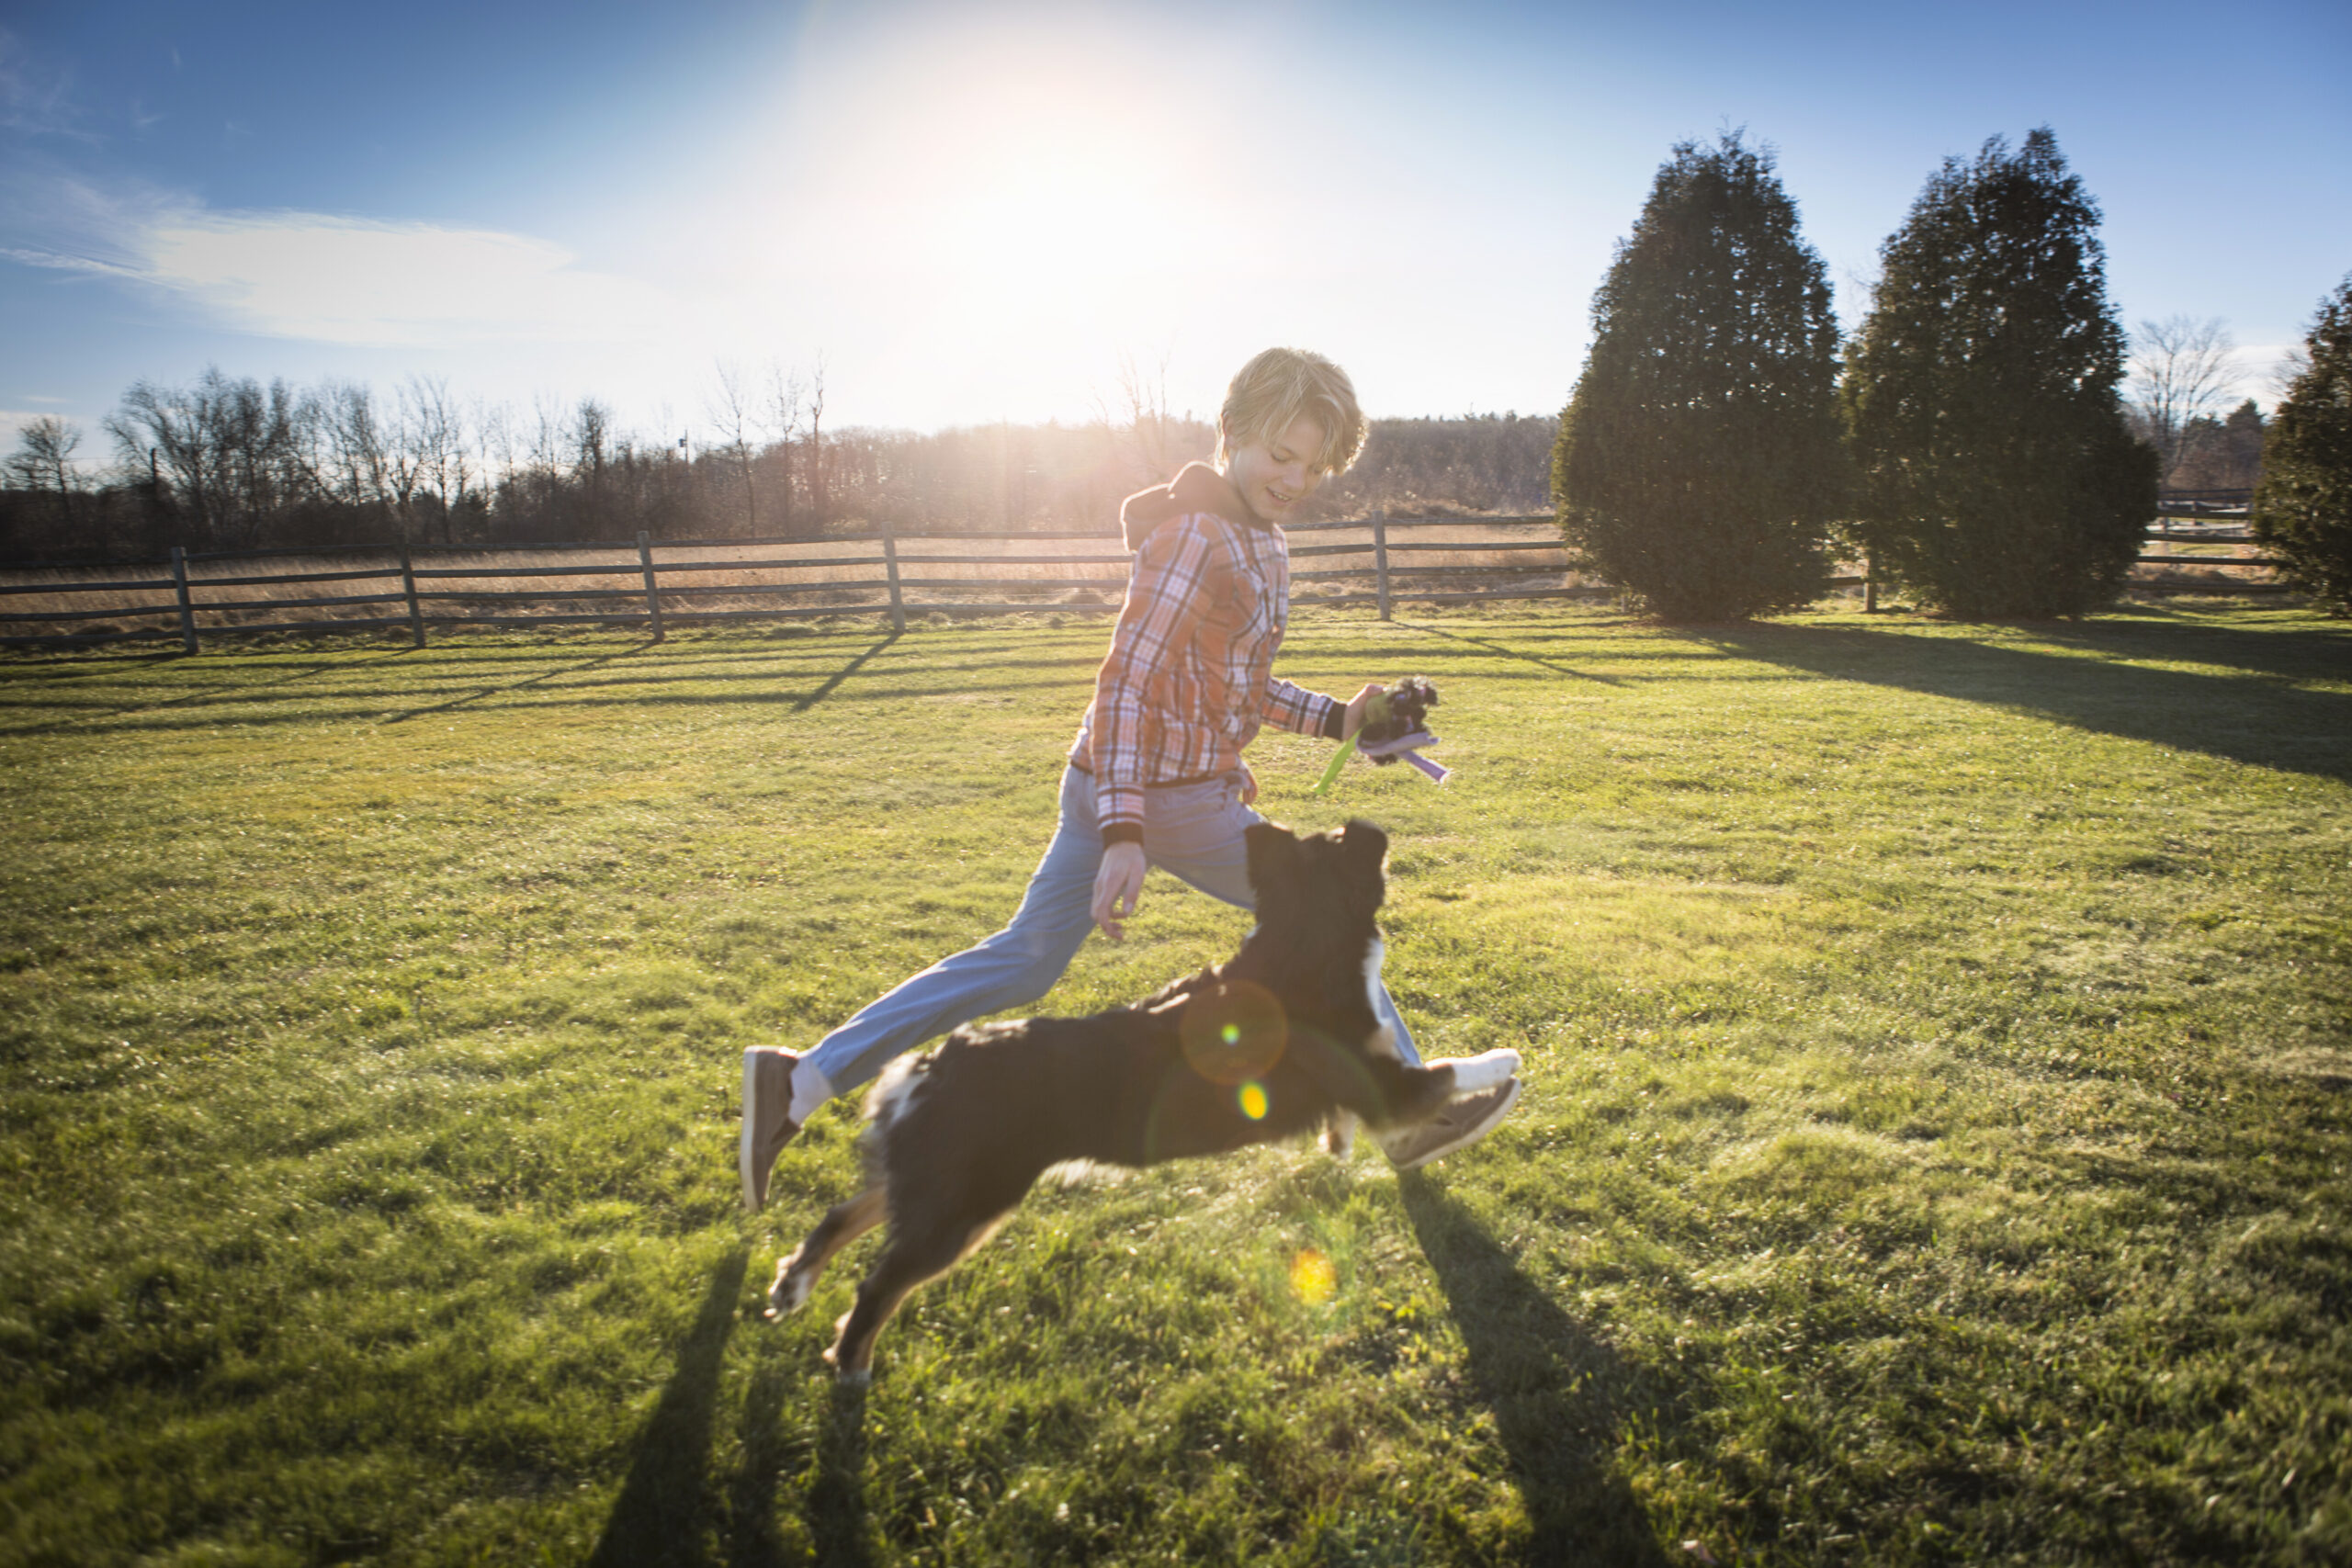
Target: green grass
(1934, 1148)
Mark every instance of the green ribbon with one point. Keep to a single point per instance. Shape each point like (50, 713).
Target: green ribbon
(1375, 712)
(1338, 760)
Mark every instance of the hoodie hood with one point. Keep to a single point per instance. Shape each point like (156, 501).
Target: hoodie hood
(1196, 488)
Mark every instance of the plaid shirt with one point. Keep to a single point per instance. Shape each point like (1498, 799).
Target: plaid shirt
(1189, 680)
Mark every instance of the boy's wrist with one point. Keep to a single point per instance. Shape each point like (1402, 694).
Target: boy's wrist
(1121, 833)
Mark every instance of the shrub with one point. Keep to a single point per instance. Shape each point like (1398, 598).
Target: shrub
(1997, 474)
(1698, 462)
(2302, 509)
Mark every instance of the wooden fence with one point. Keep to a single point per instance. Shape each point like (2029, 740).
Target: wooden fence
(670, 582)
(656, 585)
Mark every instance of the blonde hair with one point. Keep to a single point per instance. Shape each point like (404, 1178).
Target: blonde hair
(1278, 386)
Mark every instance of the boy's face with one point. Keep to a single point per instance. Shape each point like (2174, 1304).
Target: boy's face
(1274, 477)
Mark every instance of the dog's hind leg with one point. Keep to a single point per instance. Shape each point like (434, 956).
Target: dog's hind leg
(930, 1230)
(921, 1248)
(796, 1276)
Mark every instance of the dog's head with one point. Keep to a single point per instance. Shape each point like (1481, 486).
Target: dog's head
(1319, 899)
(1342, 870)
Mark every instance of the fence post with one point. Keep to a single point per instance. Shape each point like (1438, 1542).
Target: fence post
(1869, 585)
(1380, 555)
(415, 615)
(890, 565)
(188, 609)
(652, 599)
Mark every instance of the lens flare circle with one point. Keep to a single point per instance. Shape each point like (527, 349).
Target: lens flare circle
(1234, 1032)
(1312, 1277)
(1253, 1098)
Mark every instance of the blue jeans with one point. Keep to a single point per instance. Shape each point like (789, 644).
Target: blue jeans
(1193, 831)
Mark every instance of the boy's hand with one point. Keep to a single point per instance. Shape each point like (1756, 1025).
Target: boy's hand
(1356, 707)
(1118, 887)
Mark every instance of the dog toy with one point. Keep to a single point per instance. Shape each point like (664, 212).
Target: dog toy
(1395, 727)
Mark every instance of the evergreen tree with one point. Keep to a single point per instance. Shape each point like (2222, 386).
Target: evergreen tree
(1698, 462)
(1999, 476)
(2302, 509)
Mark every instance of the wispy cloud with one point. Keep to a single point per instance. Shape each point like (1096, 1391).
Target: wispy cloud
(329, 278)
(36, 98)
(302, 275)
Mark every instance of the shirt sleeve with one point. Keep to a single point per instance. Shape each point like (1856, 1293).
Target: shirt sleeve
(1303, 712)
(1160, 611)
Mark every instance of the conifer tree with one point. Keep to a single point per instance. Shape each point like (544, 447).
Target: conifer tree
(2302, 509)
(1997, 474)
(1698, 464)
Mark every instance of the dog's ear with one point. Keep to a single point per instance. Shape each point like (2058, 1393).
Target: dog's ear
(1365, 844)
(1270, 846)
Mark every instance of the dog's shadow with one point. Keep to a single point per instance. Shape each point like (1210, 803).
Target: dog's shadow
(671, 1512)
(664, 1507)
(1557, 1392)
(835, 1512)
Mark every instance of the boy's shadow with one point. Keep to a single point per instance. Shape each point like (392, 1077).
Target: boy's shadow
(1557, 1392)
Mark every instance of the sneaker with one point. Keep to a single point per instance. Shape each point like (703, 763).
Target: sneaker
(1463, 1123)
(767, 1118)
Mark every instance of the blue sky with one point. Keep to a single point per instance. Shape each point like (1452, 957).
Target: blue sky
(975, 211)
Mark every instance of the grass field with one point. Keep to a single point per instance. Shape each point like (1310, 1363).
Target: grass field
(1935, 1145)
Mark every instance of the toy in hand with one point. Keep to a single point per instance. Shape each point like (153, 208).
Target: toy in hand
(1395, 725)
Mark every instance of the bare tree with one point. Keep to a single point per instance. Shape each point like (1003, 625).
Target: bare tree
(433, 443)
(817, 441)
(356, 467)
(43, 460)
(783, 416)
(730, 409)
(1151, 428)
(2180, 371)
(236, 453)
(590, 437)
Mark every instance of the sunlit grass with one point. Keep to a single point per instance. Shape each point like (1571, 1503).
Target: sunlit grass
(1933, 1150)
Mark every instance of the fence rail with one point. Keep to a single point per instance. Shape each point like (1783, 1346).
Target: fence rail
(470, 585)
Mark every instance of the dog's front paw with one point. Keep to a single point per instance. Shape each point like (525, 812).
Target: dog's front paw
(1339, 1134)
(791, 1288)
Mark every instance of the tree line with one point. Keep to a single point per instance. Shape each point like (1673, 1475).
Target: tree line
(230, 463)
(1973, 440)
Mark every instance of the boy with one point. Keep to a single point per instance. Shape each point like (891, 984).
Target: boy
(1156, 775)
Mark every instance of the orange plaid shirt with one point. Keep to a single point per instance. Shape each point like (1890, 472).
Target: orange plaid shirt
(1189, 680)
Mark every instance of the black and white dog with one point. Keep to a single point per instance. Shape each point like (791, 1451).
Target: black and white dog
(1277, 1041)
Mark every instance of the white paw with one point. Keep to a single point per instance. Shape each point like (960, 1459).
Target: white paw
(1339, 1134)
(790, 1291)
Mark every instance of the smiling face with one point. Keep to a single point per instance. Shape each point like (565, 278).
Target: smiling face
(1275, 476)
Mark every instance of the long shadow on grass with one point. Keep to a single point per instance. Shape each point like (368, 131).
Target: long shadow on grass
(1557, 1392)
(1509, 652)
(476, 697)
(844, 674)
(664, 1509)
(837, 1502)
(100, 711)
(2256, 718)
